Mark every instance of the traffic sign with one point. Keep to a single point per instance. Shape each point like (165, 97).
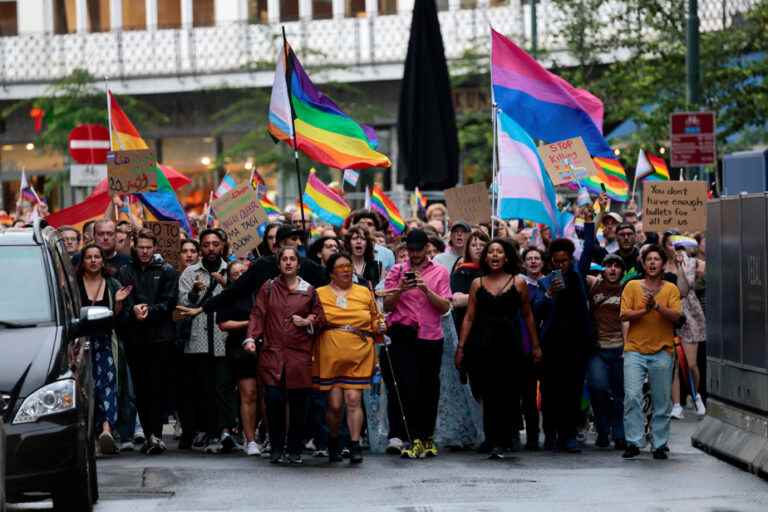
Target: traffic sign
(693, 140)
(89, 143)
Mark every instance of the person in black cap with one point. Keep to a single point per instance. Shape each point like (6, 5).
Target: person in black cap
(605, 368)
(265, 268)
(459, 233)
(419, 294)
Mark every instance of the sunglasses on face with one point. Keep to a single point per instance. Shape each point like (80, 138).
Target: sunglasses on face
(343, 267)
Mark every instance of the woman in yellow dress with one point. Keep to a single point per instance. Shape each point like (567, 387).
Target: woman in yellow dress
(344, 353)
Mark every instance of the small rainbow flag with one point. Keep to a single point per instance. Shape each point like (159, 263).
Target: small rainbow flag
(269, 207)
(660, 170)
(329, 206)
(421, 200)
(384, 205)
(611, 174)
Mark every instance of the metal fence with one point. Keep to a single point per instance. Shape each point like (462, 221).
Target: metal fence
(737, 293)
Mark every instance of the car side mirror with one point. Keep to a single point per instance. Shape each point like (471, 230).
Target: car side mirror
(94, 321)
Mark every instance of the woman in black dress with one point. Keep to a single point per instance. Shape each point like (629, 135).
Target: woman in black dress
(490, 347)
(464, 272)
(233, 318)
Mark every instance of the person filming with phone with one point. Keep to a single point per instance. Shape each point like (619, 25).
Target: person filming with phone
(419, 294)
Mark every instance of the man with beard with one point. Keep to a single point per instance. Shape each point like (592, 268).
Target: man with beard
(105, 236)
(150, 333)
(208, 404)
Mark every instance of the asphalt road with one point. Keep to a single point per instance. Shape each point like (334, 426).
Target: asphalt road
(594, 480)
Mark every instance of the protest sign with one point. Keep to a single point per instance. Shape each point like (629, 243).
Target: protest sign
(675, 204)
(132, 171)
(168, 240)
(470, 203)
(240, 214)
(567, 160)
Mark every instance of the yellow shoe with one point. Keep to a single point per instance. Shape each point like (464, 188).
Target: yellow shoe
(415, 451)
(430, 449)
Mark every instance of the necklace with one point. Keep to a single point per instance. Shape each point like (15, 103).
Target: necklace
(341, 296)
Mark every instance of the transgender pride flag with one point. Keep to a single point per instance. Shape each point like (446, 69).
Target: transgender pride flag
(525, 189)
(545, 105)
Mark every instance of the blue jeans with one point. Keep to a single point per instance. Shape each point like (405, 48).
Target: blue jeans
(658, 369)
(605, 376)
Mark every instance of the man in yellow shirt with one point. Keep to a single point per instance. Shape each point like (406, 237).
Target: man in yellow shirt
(652, 307)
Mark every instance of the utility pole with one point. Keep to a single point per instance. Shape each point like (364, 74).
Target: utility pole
(692, 61)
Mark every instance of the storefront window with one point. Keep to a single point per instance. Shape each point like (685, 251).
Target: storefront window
(189, 154)
(15, 157)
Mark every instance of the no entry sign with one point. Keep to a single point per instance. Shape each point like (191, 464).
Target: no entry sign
(692, 137)
(89, 143)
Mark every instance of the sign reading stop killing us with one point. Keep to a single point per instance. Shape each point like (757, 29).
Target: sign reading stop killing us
(168, 240)
(567, 161)
(240, 215)
(133, 171)
(675, 205)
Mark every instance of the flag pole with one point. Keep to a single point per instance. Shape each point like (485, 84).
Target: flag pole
(111, 142)
(495, 169)
(293, 129)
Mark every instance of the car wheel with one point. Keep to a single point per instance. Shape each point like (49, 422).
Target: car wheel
(75, 493)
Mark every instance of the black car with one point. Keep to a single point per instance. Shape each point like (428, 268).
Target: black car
(46, 384)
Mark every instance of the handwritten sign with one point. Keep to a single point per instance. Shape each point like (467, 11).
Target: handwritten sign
(240, 214)
(675, 204)
(168, 240)
(470, 203)
(132, 171)
(567, 161)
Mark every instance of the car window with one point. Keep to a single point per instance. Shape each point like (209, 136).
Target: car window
(25, 297)
(71, 277)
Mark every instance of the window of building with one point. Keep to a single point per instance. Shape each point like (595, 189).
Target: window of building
(442, 5)
(203, 13)
(134, 15)
(257, 12)
(189, 154)
(387, 6)
(168, 13)
(8, 19)
(322, 9)
(15, 157)
(468, 4)
(499, 3)
(289, 10)
(64, 17)
(354, 8)
(98, 15)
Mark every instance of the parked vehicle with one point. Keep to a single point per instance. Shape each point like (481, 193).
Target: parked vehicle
(46, 384)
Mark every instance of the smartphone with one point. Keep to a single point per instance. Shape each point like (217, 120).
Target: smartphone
(557, 276)
(602, 186)
(410, 276)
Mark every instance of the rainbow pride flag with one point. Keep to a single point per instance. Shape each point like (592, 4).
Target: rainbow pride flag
(329, 206)
(611, 174)
(324, 132)
(270, 207)
(660, 169)
(385, 206)
(162, 203)
(421, 200)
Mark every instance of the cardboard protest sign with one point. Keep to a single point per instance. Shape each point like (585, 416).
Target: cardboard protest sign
(132, 171)
(240, 213)
(168, 240)
(567, 160)
(675, 204)
(470, 203)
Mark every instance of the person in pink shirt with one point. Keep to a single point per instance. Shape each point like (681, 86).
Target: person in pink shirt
(420, 294)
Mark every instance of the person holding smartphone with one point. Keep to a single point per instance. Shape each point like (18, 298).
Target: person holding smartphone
(419, 294)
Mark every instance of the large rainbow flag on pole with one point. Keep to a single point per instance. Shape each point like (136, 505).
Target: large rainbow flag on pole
(385, 206)
(324, 132)
(162, 203)
(329, 206)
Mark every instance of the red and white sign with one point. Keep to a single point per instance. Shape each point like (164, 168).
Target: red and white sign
(693, 140)
(89, 144)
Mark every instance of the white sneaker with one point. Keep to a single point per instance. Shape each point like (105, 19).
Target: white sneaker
(139, 437)
(677, 412)
(700, 409)
(252, 449)
(127, 446)
(310, 446)
(395, 446)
